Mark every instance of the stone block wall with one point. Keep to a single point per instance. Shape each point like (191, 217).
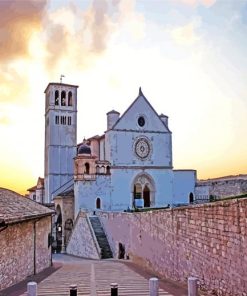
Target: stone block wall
(82, 242)
(43, 252)
(207, 241)
(228, 188)
(17, 251)
(222, 188)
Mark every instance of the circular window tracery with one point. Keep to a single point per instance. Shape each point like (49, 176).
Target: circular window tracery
(142, 148)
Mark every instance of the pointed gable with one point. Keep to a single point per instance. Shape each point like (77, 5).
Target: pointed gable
(130, 120)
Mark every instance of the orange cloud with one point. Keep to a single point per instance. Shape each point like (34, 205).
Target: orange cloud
(18, 19)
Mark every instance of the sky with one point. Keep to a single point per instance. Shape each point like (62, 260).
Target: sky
(189, 57)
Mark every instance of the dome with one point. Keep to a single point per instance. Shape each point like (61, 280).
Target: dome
(84, 149)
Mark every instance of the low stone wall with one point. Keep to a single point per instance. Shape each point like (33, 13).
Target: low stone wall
(207, 241)
(17, 244)
(82, 242)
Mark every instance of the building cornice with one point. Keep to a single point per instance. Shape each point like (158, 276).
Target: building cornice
(146, 167)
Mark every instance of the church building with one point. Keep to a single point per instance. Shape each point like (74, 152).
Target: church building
(129, 166)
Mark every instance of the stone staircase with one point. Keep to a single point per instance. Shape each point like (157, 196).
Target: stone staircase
(101, 237)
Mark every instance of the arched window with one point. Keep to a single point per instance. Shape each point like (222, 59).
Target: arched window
(63, 98)
(87, 167)
(56, 97)
(108, 171)
(70, 102)
(98, 203)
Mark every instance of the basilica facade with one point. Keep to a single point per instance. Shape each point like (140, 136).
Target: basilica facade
(129, 166)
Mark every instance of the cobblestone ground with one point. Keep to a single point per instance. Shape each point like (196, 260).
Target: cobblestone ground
(93, 278)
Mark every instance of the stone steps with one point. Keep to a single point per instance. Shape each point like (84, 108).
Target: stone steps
(101, 237)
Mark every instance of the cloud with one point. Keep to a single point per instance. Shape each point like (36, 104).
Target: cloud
(194, 3)
(14, 87)
(68, 45)
(42, 44)
(86, 34)
(18, 19)
(185, 35)
(4, 120)
(82, 38)
(130, 20)
(99, 24)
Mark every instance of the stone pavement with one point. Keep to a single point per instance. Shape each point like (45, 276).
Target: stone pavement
(93, 278)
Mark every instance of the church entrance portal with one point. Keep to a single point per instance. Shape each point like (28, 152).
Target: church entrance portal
(143, 191)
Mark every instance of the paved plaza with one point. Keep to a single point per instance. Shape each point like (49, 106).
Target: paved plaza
(93, 278)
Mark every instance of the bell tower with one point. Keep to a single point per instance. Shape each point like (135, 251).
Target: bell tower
(60, 136)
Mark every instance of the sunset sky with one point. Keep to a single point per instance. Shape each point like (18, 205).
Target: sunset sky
(189, 57)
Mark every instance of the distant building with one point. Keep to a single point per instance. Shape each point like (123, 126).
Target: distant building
(25, 232)
(37, 192)
(221, 187)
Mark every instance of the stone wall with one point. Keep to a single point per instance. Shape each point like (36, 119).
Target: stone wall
(43, 252)
(17, 243)
(222, 188)
(82, 242)
(207, 241)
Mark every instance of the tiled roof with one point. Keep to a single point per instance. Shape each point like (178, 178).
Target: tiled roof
(16, 208)
(32, 188)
